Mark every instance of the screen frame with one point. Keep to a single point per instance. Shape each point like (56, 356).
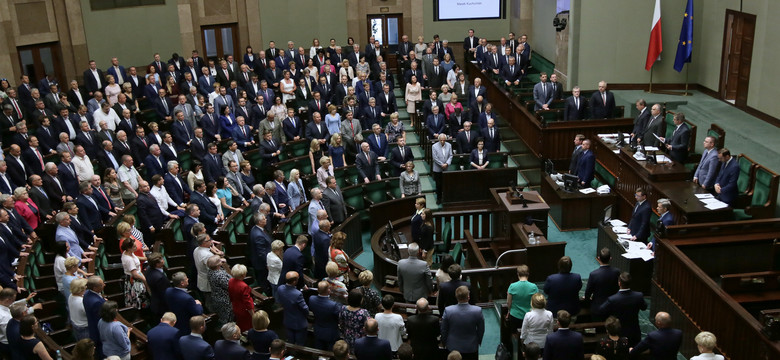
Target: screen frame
(501, 5)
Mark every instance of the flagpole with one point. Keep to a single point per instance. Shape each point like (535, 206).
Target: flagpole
(687, 72)
(651, 79)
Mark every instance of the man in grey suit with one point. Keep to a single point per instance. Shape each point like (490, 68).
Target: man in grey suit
(414, 276)
(655, 125)
(707, 171)
(190, 114)
(235, 181)
(334, 201)
(442, 158)
(232, 154)
(542, 93)
(462, 326)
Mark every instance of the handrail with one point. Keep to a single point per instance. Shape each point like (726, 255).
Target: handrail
(509, 252)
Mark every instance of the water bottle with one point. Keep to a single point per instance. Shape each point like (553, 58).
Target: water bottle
(532, 239)
(59, 356)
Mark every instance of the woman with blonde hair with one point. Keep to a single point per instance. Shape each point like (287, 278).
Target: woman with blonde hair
(346, 70)
(260, 336)
(295, 189)
(76, 311)
(337, 253)
(706, 342)
(336, 151)
(338, 290)
(241, 297)
(124, 233)
(325, 170)
(371, 299)
(333, 120)
(315, 155)
(273, 262)
(112, 90)
(538, 322)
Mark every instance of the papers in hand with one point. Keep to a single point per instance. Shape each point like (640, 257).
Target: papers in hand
(587, 190)
(617, 222)
(659, 138)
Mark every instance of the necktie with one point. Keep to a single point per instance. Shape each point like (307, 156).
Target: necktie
(40, 158)
(403, 154)
(577, 103)
(16, 106)
(108, 135)
(544, 90)
(495, 59)
(103, 194)
(604, 97)
(436, 70)
(491, 133)
(468, 136)
(165, 104)
(243, 131)
(72, 169)
(318, 104)
(512, 70)
(373, 114)
(368, 158)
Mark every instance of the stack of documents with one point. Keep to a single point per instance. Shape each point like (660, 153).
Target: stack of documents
(603, 189)
(587, 190)
(638, 250)
(710, 202)
(616, 222)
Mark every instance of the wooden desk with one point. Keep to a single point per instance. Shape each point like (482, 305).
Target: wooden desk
(641, 271)
(574, 210)
(508, 213)
(659, 180)
(541, 258)
(464, 186)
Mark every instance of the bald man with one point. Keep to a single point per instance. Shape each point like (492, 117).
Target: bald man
(295, 309)
(371, 347)
(664, 343)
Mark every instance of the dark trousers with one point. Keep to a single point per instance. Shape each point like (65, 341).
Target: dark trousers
(437, 178)
(297, 336)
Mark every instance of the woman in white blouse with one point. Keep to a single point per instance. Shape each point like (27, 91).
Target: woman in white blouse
(273, 262)
(315, 45)
(537, 323)
(78, 316)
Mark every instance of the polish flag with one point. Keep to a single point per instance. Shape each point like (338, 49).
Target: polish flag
(656, 44)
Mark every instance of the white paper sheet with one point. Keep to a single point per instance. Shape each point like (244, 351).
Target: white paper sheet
(587, 190)
(716, 206)
(619, 229)
(617, 222)
(705, 196)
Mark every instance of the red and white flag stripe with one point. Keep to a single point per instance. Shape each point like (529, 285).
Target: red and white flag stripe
(656, 43)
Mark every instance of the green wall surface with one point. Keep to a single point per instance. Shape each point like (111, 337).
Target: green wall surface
(457, 30)
(279, 21)
(132, 34)
(543, 38)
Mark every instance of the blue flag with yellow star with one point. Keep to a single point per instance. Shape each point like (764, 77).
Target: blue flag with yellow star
(685, 45)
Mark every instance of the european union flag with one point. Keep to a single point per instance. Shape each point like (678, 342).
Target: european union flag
(685, 45)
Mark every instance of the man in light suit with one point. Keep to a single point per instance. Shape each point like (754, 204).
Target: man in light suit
(602, 103)
(654, 126)
(726, 183)
(640, 122)
(164, 339)
(707, 170)
(564, 343)
(442, 158)
(639, 225)
(678, 144)
(371, 347)
(334, 201)
(586, 165)
(192, 346)
(367, 164)
(237, 183)
(462, 326)
(326, 317)
(191, 115)
(414, 275)
(575, 107)
(664, 343)
(626, 305)
(295, 309)
(542, 93)
(181, 303)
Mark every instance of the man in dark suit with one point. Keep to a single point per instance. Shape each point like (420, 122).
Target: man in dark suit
(371, 347)
(39, 196)
(654, 126)
(447, 289)
(89, 212)
(400, 155)
(154, 162)
(259, 246)
(326, 317)
(602, 282)
(575, 106)
(162, 105)
(663, 343)
(563, 344)
(511, 73)
(192, 346)
(33, 156)
(93, 301)
(318, 104)
(198, 145)
(94, 80)
(292, 127)
(575, 155)
(181, 302)
(67, 175)
(158, 284)
(242, 134)
(625, 305)
(163, 339)
(292, 260)
(476, 91)
(435, 123)
(230, 347)
(321, 243)
(586, 165)
(18, 171)
(153, 218)
(639, 225)
(386, 101)
(492, 136)
(366, 162)
(212, 164)
(470, 44)
(466, 140)
(463, 326)
(210, 124)
(175, 185)
(602, 103)
(7, 185)
(677, 146)
(640, 122)
(726, 182)
(295, 308)
(423, 330)
(317, 130)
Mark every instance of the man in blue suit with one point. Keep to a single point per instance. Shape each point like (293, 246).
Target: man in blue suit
(563, 288)
(117, 71)
(476, 91)
(259, 247)
(158, 283)
(435, 123)
(371, 347)
(295, 309)
(726, 183)
(230, 348)
(678, 144)
(665, 219)
(626, 305)
(463, 326)
(164, 339)
(663, 343)
(447, 289)
(292, 260)
(586, 165)
(602, 282)
(321, 243)
(242, 135)
(89, 212)
(706, 172)
(563, 344)
(192, 346)
(639, 225)
(183, 305)
(93, 301)
(208, 211)
(182, 131)
(67, 175)
(377, 141)
(176, 187)
(326, 317)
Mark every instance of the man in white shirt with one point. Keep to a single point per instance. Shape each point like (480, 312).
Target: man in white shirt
(83, 164)
(391, 326)
(164, 201)
(107, 114)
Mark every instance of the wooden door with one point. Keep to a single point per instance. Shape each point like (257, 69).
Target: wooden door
(220, 41)
(39, 60)
(738, 38)
(388, 29)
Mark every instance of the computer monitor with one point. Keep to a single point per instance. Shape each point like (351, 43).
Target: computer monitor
(607, 214)
(549, 167)
(570, 182)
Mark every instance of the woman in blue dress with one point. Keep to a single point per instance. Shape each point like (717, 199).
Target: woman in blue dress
(336, 151)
